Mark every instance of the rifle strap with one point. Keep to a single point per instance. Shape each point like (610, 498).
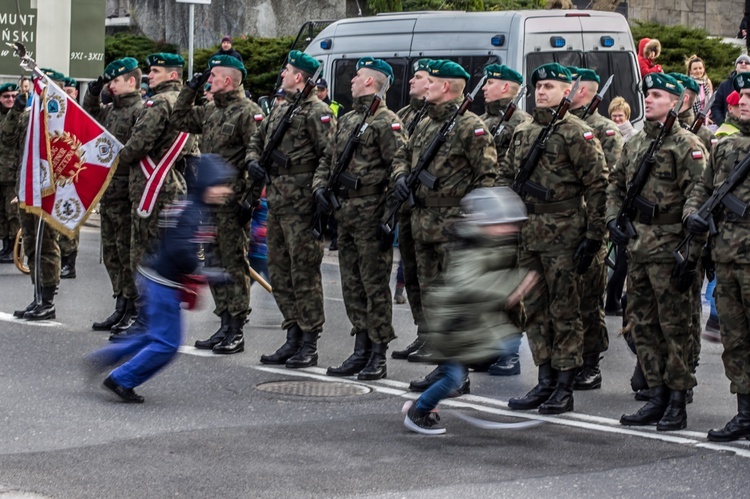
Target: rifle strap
(442, 202)
(293, 170)
(367, 190)
(555, 207)
(666, 219)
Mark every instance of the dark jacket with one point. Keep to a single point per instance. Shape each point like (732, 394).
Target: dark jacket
(231, 52)
(719, 107)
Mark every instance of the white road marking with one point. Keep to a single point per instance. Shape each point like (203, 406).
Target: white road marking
(10, 318)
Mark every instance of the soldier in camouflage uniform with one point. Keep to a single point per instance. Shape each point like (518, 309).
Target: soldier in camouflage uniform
(9, 161)
(561, 238)
(153, 135)
(123, 79)
(594, 281)
(226, 126)
(410, 116)
(365, 261)
(294, 255)
(69, 245)
(730, 249)
(659, 294)
(503, 84)
(466, 161)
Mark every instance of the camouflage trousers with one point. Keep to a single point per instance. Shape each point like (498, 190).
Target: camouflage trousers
(116, 225)
(9, 223)
(294, 258)
(229, 252)
(592, 286)
(49, 271)
(733, 306)
(365, 273)
(408, 252)
(696, 320)
(430, 263)
(662, 325)
(553, 319)
(69, 245)
(144, 234)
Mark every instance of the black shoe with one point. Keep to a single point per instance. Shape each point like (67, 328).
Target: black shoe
(376, 367)
(129, 317)
(650, 413)
(218, 336)
(307, 355)
(638, 381)
(506, 366)
(482, 367)
(589, 377)
(234, 341)
(422, 384)
(46, 309)
(105, 325)
(613, 312)
(69, 269)
(412, 347)
(285, 352)
(675, 417)
(126, 394)
(421, 355)
(540, 393)
(334, 245)
(18, 314)
(6, 256)
(738, 427)
(645, 395)
(561, 399)
(426, 423)
(357, 360)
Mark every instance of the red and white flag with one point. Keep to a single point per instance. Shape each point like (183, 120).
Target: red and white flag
(68, 160)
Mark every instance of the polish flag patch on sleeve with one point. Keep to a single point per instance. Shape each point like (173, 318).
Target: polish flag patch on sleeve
(588, 135)
(697, 154)
(478, 132)
(149, 103)
(609, 133)
(258, 117)
(325, 119)
(714, 141)
(396, 126)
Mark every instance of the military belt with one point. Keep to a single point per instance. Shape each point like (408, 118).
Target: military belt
(442, 202)
(368, 190)
(666, 219)
(556, 206)
(294, 170)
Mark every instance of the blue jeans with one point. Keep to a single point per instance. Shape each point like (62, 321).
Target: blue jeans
(454, 375)
(710, 297)
(155, 348)
(509, 345)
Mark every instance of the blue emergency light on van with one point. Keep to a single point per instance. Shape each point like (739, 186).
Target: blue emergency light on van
(498, 40)
(326, 44)
(557, 42)
(607, 41)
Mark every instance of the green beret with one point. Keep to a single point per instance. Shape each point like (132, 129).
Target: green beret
(661, 81)
(686, 81)
(421, 65)
(165, 59)
(502, 72)
(740, 81)
(442, 68)
(378, 65)
(120, 67)
(69, 82)
(551, 71)
(228, 61)
(303, 62)
(8, 87)
(584, 74)
(53, 75)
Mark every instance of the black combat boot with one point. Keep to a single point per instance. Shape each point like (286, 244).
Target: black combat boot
(739, 426)
(561, 399)
(422, 354)
(375, 368)
(540, 393)
(650, 413)
(293, 343)
(69, 268)
(128, 318)
(638, 380)
(120, 303)
(357, 360)
(675, 417)
(589, 377)
(218, 336)
(6, 256)
(412, 347)
(44, 310)
(234, 341)
(307, 355)
(18, 314)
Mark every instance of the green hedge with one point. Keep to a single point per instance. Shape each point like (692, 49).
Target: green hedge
(132, 45)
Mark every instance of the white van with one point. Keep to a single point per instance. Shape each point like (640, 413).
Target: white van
(523, 40)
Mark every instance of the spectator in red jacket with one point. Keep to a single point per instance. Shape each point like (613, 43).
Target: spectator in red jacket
(648, 51)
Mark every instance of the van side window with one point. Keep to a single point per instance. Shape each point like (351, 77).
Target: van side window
(536, 59)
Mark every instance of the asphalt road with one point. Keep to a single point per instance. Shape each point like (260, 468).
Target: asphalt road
(208, 430)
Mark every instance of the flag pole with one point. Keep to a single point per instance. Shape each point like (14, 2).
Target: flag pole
(38, 262)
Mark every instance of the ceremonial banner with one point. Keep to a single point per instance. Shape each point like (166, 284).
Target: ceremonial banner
(68, 160)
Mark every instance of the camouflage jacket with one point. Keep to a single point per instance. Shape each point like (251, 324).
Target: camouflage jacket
(678, 166)
(118, 118)
(407, 114)
(153, 134)
(225, 127)
(303, 144)
(494, 112)
(687, 118)
(9, 159)
(574, 169)
(608, 134)
(732, 243)
(13, 134)
(465, 161)
(371, 161)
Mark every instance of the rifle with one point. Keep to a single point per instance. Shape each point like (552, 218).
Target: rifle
(508, 114)
(417, 118)
(722, 196)
(521, 183)
(700, 120)
(420, 175)
(594, 104)
(340, 177)
(634, 202)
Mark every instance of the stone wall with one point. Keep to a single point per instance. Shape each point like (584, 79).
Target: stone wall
(718, 17)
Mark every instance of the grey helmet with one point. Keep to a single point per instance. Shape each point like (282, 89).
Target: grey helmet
(493, 205)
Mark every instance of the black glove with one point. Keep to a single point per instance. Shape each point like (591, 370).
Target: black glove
(20, 103)
(696, 225)
(386, 240)
(684, 274)
(402, 190)
(585, 254)
(96, 86)
(324, 206)
(199, 79)
(255, 170)
(616, 235)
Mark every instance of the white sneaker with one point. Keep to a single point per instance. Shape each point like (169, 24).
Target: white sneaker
(420, 422)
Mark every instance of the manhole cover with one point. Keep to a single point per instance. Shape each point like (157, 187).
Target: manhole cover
(313, 388)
